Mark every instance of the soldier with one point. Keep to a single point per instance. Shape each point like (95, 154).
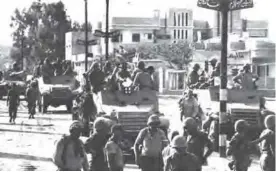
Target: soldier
(38, 68)
(154, 77)
(96, 77)
(107, 69)
(122, 75)
(70, 154)
(143, 79)
(140, 68)
(193, 76)
(189, 106)
(13, 101)
(239, 148)
(149, 145)
(95, 145)
(32, 95)
(197, 141)
(267, 146)
(246, 79)
(47, 70)
(58, 67)
(69, 70)
(200, 83)
(213, 63)
(1, 76)
(180, 159)
(211, 126)
(167, 151)
(115, 157)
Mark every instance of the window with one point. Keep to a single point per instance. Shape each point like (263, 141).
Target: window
(149, 36)
(187, 19)
(182, 34)
(135, 37)
(174, 34)
(174, 19)
(182, 19)
(178, 19)
(178, 36)
(186, 34)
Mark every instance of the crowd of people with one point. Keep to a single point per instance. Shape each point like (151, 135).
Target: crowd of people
(244, 79)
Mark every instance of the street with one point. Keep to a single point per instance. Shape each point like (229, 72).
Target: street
(28, 145)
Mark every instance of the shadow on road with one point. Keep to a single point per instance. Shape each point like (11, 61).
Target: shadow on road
(25, 157)
(30, 132)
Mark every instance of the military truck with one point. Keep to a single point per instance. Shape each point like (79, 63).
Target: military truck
(57, 91)
(13, 77)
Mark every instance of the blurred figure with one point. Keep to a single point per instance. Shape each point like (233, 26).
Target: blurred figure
(154, 77)
(1, 76)
(38, 69)
(180, 159)
(198, 141)
(47, 70)
(239, 148)
(189, 106)
(13, 101)
(246, 79)
(115, 157)
(193, 76)
(32, 95)
(69, 152)
(95, 145)
(96, 77)
(211, 126)
(58, 67)
(122, 76)
(140, 68)
(201, 84)
(167, 151)
(149, 145)
(267, 146)
(69, 70)
(143, 79)
(107, 69)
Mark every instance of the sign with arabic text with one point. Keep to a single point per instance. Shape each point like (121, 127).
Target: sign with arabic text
(232, 4)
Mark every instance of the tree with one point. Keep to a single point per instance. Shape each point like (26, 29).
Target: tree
(42, 27)
(76, 26)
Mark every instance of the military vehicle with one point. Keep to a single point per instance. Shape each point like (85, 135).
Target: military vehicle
(57, 91)
(13, 77)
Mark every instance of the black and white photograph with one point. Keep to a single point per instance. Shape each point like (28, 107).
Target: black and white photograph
(137, 85)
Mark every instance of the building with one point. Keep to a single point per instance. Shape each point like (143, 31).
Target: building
(75, 51)
(177, 25)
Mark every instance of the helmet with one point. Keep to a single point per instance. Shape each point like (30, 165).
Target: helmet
(241, 125)
(189, 123)
(270, 122)
(196, 66)
(100, 124)
(179, 142)
(141, 65)
(153, 119)
(246, 66)
(76, 125)
(213, 60)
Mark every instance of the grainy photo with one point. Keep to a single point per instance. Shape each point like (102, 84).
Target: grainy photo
(137, 85)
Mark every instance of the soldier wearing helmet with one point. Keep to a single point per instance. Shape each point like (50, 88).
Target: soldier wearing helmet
(96, 143)
(47, 69)
(267, 146)
(198, 141)
(239, 147)
(246, 79)
(213, 62)
(149, 145)
(13, 100)
(69, 153)
(180, 159)
(142, 78)
(193, 76)
(189, 106)
(32, 97)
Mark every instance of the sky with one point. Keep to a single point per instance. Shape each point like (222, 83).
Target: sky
(132, 8)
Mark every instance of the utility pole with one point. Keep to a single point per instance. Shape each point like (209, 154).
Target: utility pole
(22, 49)
(106, 29)
(86, 36)
(224, 6)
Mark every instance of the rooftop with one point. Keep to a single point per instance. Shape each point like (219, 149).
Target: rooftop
(133, 21)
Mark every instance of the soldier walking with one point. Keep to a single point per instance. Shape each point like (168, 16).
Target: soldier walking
(180, 159)
(13, 101)
(32, 95)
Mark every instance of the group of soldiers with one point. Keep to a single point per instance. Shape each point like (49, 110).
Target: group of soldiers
(153, 149)
(244, 79)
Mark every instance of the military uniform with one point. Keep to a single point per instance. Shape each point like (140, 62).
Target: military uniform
(267, 159)
(193, 78)
(32, 95)
(13, 103)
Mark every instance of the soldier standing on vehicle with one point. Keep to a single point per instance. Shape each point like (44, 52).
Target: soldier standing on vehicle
(193, 76)
(47, 70)
(107, 69)
(140, 68)
(58, 67)
(189, 106)
(13, 101)
(96, 77)
(239, 148)
(69, 70)
(95, 146)
(69, 153)
(180, 159)
(149, 145)
(38, 69)
(246, 79)
(197, 141)
(267, 146)
(32, 95)
(114, 153)
(143, 80)
(122, 75)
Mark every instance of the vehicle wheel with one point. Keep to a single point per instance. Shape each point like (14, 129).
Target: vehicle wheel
(69, 107)
(44, 104)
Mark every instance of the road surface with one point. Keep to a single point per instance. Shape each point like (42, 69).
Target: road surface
(28, 144)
